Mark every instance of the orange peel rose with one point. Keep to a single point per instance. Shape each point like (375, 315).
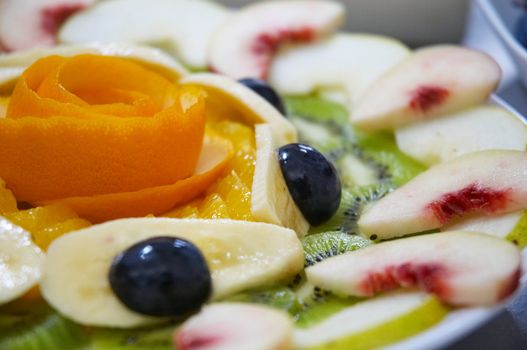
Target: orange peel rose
(107, 137)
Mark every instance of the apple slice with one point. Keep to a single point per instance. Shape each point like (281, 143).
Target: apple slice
(351, 62)
(477, 129)
(180, 27)
(236, 326)
(27, 24)
(461, 268)
(434, 81)
(485, 182)
(511, 226)
(243, 46)
(373, 323)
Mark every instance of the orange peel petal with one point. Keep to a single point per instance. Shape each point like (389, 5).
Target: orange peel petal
(215, 156)
(61, 146)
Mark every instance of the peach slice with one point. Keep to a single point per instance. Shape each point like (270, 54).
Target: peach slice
(243, 46)
(461, 268)
(434, 81)
(486, 182)
(475, 129)
(27, 24)
(348, 62)
(236, 326)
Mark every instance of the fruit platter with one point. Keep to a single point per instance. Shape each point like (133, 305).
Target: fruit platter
(176, 174)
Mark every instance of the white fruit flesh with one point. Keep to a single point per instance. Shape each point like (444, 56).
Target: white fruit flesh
(27, 24)
(485, 182)
(434, 81)
(13, 65)
(351, 62)
(477, 129)
(227, 98)
(461, 268)
(271, 201)
(244, 45)
(181, 27)
(354, 325)
(240, 255)
(21, 261)
(499, 225)
(236, 326)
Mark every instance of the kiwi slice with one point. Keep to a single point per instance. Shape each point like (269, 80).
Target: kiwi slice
(158, 338)
(324, 125)
(28, 324)
(320, 246)
(352, 203)
(278, 297)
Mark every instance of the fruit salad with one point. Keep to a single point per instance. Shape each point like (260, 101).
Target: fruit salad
(175, 174)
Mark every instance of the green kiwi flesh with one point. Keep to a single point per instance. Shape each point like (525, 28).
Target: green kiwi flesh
(320, 246)
(33, 325)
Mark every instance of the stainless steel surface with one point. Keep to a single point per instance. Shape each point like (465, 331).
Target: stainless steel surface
(416, 22)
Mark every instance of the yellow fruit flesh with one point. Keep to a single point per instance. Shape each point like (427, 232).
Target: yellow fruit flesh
(7, 200)
(3, 105)
(47, 223)
(44, 223)
(230, 196)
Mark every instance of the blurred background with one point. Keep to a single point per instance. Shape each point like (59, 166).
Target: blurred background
(416, 22)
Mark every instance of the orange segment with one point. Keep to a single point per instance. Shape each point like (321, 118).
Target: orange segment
(7, 200)
(156, 200)
(230, 195)
(4, 101)
(47, 223)
(54, 144)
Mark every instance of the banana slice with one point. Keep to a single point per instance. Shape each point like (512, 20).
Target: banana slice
(271, 201)
(240, 255)
(12, 65)
(21, 261)
(227, 98)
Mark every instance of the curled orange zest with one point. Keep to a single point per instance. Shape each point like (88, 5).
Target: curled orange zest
(155, 200)
(93, 130)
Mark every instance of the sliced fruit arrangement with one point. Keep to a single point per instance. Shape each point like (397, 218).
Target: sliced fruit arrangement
(43, 18)
(21, 262)
(373, 323)
(32, 324)
(241, 102)
(485, 182)
(248, 327)
(511, 226)
(167, 24)
(433, 81)
(244, 45)
(47, 223)
(271, 201)
(349, 62)
(355, 171)
(452, 265)
(239, 254)
(476, 129)
(12, 65)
